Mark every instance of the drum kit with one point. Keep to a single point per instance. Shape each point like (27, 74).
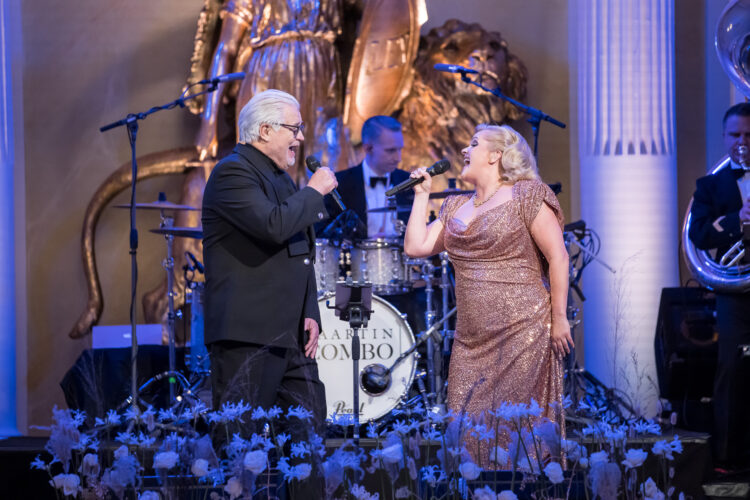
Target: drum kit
(388, 342)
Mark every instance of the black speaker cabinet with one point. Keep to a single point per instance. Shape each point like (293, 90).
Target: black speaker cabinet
(685, 343)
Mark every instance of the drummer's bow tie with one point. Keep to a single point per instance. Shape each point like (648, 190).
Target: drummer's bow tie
(374, 181)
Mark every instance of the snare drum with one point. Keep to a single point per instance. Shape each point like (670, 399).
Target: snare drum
(386, 337)
(380, 262)
(326, 266)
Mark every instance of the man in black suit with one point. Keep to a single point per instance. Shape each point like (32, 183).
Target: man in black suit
(721, 204)
(261, 312)
(363, 186)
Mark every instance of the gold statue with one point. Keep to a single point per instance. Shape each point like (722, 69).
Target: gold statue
(292, 45)
(305, 47)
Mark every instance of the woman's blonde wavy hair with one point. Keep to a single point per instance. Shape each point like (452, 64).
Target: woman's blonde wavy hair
(517, 161)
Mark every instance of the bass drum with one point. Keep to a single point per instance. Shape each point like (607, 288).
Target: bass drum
(386, 337)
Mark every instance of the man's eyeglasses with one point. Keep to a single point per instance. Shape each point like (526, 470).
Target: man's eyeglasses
(294, 128)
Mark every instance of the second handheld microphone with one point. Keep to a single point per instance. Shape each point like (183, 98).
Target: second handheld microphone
(439, 167)
(313, 164)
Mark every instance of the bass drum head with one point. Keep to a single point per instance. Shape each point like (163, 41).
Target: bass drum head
(386, 337)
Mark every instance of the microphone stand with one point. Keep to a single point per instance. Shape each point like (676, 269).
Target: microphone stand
(353, 302)
(535, 115)
(131, 122)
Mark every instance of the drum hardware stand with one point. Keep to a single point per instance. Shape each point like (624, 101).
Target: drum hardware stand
(429, 318)
(445, 287)
(353, 304)
(131, 123)
(376, 378)
(168, 265)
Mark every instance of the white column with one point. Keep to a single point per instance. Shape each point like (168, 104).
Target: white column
(9, 43)
(626, 145)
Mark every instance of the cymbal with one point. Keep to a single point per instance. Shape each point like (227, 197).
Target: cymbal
(159, 205)
(185, 232)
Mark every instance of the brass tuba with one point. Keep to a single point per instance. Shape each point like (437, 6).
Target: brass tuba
(725, 273)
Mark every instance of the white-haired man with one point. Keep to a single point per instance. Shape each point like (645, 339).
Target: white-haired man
(261, 311)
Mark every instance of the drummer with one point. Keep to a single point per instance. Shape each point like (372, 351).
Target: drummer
(363, 186)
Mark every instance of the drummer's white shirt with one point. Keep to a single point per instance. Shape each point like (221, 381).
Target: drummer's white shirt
(377, 222)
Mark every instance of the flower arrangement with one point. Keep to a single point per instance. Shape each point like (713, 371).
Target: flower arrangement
(198, 453)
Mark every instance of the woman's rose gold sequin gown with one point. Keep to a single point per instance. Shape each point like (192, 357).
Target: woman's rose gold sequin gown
(501, 350)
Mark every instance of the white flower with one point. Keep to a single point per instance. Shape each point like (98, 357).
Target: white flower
(274, 412)
(300, 450)
(121, 452)
(599, 457)
(148, 495)
(303, 471)
(469, 470)
(299, 412)
(113, 418)
(360, 493)
(165, 460)
(403, 492)
(526, 465)
(634, 458)
(199, 467)
(393, 454)
(662, 448)
(651, 491)
(165, 415)
(554, 472)
(583, 462)
(282, 438)
(485, 493)
(233, 487)
(676, 445)
(259, 414)
(69, 483)
(506, 495)
(255, 461)
(298, 472)
(499, 455)
(38, 463)
(90, 465)
(573, 450)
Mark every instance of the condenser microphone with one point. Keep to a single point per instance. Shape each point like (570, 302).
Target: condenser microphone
(229, 77)
(455, 68)
(313, 164)
(440, 167)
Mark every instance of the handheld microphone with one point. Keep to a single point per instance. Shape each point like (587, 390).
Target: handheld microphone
(454, 68)
(313, 164)
(224, 78)
(196, 263)
(439, 167)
